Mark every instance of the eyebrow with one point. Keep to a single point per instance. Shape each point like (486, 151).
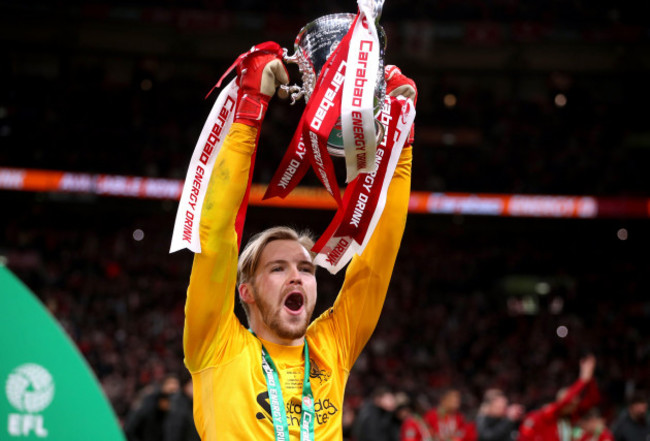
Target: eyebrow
(284, 262)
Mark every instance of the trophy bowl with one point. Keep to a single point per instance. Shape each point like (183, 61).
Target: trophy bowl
(313, 46)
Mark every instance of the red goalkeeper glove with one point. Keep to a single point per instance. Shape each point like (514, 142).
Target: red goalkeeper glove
(258, 75)
(398, 84)
(259, 72)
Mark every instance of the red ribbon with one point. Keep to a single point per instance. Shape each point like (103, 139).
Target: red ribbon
(353, 221)
(318, 120)
(292, 169)
(267, 46)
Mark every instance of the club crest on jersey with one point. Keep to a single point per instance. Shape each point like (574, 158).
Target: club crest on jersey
(316, 372)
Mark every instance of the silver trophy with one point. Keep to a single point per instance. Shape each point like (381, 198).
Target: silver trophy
(314, 44)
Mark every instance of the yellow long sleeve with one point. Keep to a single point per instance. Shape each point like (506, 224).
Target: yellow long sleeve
(209, 309)
(357, 308)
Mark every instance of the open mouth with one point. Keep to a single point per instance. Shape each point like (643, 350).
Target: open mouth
(294, 302)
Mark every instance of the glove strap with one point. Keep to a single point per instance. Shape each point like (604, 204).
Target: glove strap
(251, 109)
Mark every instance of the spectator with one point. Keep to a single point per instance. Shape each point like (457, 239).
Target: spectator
(147, 421)
(591, 427)
(633, 424)
(553, 422)
(497, 421)
(376, 420)
(349, 418)
(414, 428)
(446, 423)
(179, 425)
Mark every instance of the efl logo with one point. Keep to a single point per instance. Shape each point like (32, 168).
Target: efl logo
(30, 390)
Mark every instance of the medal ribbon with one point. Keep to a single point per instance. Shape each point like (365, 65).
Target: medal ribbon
(278, 413)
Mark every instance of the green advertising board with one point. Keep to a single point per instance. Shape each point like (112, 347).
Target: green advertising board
(50, 392)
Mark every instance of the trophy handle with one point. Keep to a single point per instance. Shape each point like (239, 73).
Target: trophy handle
(296, 92)
(381, 131)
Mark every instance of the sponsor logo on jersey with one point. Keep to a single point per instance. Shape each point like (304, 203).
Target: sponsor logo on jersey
(324, 410)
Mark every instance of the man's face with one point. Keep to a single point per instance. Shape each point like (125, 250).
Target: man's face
(170, 386)
(386, 402)
(451, 401)
(638, 410)
(498, 407)
(284, 289)
(593, 424)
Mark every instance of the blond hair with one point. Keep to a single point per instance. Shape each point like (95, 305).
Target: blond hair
(250, 258)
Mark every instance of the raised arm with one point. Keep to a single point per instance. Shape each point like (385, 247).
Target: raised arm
(571, 398)
(357, 308)
(209, 310)
(567, 400)
(590, 398)
(366, 282)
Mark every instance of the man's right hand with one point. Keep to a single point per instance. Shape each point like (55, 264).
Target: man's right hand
(261, 73)
(258, 76)
(587, 366)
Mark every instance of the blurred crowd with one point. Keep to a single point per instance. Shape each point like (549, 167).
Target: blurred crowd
(453, 319)
(572, 415)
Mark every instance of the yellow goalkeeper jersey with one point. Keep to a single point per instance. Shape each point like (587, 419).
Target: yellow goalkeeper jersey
(225, 359)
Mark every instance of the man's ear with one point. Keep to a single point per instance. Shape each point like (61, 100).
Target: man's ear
(246, 293)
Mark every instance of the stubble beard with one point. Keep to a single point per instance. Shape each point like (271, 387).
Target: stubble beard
(293, 328)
